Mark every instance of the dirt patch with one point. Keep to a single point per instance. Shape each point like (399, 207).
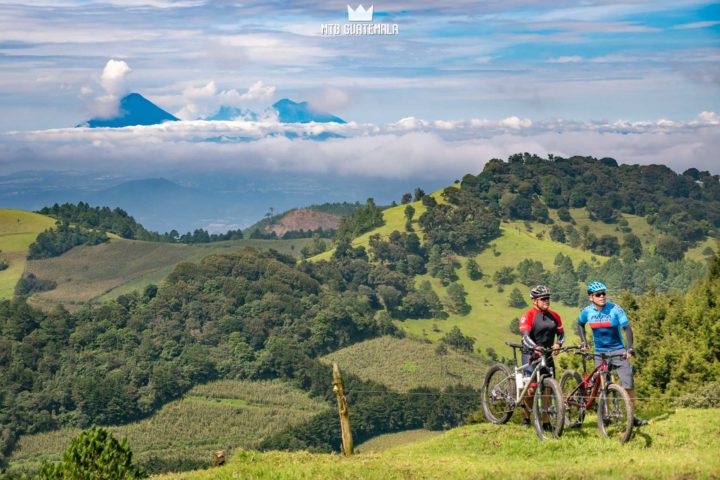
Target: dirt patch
(304, 219)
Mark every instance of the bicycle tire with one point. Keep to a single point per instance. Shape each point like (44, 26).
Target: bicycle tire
(548, 409)
(615, 413)
(575, 403)
(498, 394)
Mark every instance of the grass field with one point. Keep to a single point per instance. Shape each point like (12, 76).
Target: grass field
(402, 364)
(18, 229)
(681, 445)
(182, 435)
(101, 272)
(390, 440)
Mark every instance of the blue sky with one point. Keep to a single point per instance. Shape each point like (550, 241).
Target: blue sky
(609, 60)
(639, 80)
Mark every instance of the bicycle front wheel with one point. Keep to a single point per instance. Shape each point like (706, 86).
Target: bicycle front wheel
(575, 396)
(548, 409)
(498, 394)
(615, 413)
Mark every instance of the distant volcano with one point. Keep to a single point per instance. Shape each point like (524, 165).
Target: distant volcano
(293, 112)
(134, 110)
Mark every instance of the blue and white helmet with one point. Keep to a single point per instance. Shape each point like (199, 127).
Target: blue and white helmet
(595, 286)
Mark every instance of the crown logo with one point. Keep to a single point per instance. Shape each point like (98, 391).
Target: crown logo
(360, 14)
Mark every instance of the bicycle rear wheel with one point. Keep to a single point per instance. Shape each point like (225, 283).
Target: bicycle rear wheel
(574, 399)
(498, 394)
(615, 413)
(548, 409)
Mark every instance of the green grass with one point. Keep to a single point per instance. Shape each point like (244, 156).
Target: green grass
(488, 321)
(220, 415)
(681, 445)
(402, 364)
(18, 229)
(390, 440)
(102, 272)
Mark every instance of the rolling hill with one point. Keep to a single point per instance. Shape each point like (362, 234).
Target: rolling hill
(101, 272)
(489, 319)
(18, 229)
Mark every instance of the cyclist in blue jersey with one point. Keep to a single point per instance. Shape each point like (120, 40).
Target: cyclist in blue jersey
(608, 322)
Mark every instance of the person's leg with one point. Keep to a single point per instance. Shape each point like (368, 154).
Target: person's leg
(625, 374)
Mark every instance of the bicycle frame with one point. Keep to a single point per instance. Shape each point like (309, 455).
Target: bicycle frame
(593, 386)
(539, 364)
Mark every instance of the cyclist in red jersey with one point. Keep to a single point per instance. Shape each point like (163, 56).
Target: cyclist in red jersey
(540, 327)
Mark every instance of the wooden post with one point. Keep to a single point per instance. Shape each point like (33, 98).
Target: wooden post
(338, 390)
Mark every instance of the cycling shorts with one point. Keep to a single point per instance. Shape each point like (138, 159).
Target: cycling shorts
(622, 367)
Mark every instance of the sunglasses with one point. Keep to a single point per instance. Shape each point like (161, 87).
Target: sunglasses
(544, 299)
(599, 294)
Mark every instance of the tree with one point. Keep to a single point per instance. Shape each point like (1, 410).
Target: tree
(94, 454)
(473, 269)
(504, 276)
(516, 300)
(515, 326)
(419, 194)
(632, 243)
(557, 234)
(456, 299)
(409, 212)
(406, 198)
(458, 341)
(669, 248)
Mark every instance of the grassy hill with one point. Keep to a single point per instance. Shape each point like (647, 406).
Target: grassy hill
(101, 272)
(183, 434)
(18, 229)
(488, 322)
(680, 445)
(403, 364)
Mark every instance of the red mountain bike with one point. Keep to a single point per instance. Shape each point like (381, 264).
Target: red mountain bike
(614, 408)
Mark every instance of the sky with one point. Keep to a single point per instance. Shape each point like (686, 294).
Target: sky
(459, 83)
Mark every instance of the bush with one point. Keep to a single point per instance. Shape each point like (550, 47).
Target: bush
(30, 284)
(704, 396)
(94, 454)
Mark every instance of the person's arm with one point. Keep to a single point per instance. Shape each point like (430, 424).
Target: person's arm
(581, 333)
(629, 337)
(528, 342)
(625, 324)
(525, 326)
(581, 330)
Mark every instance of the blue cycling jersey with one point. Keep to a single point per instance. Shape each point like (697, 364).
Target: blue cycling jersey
(606, 325)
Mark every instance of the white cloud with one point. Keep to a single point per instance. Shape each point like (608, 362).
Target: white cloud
(114, 84)
(200, 102)
(566, 59)
(114, 75)
(693, 25)
(411, 147)
(329, 99)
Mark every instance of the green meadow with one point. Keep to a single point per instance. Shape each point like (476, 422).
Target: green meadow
(18, 229)
(679, 445)
(102, 272)
(403, 364)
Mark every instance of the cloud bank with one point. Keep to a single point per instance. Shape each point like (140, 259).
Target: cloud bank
(410, 147)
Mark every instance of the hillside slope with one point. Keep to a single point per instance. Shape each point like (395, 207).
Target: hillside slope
(225, 415)
(402, 364)
(490, 316)
(101, 272)
(18, 229)
(681, 445)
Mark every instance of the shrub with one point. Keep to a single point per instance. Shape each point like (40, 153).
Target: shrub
(94, 454)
